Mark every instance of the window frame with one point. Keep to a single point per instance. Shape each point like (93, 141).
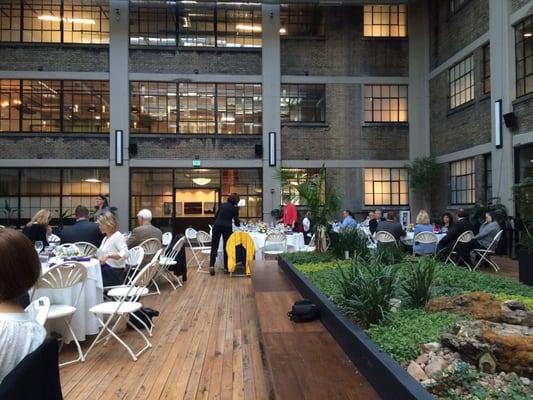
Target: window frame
(453, 82)
(391, 181)
(400, 9)
(523, 45)
(314, 18)
(469, 176)
(382, 99)
(298, 108)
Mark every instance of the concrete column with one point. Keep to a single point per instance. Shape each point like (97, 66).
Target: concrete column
(119, 100)
(271, 111)
(502, 87)
(418, 95)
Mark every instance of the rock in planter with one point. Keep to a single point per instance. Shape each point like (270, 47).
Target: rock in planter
(435, 366)
(422, 359)
(433, 346)
(416, 372)
(511, 345)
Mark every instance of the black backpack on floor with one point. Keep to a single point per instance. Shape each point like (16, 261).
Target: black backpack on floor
(304, 311)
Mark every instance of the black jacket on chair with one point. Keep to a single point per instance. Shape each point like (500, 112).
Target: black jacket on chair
(455, 231)
(36, 377)
(82, 231)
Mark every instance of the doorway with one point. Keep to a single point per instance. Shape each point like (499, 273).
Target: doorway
(195, 207)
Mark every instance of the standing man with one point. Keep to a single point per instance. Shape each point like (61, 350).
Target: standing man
(83, 230)
(145, 230)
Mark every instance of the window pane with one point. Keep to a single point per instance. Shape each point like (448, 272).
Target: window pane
(386, 186)
(385, 103)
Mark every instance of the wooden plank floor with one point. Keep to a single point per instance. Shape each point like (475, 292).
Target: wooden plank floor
(305, 361)
(206, 346)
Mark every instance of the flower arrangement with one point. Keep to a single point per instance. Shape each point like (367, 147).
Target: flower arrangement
(67, 251)
(410, 228)
(262, 227)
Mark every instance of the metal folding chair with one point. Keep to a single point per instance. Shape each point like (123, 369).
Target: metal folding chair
(463, 240)
(485, 253)
(385, 238)
(425, 238)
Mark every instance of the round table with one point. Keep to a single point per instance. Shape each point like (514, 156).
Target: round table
(295, 242)
(83, 322)
(409, 236)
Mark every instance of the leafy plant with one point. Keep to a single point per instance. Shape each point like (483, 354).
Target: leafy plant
(366, 289)
(389, 255)
(305, 257)
(352, 241)
(407, 329)
(525, 300)
(422, 174)
(419, 282)
(524, 201)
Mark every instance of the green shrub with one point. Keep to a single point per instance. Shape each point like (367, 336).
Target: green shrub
(406, 329)
(389, 255)
(365, 290)
(352, 241)
(305, 257)
(527, 301)
(419, 282)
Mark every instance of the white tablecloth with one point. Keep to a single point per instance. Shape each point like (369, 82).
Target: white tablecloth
(295, 242)
(83, 322)
(409, 236)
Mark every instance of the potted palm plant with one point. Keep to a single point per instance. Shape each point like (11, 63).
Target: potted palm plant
(524, 205)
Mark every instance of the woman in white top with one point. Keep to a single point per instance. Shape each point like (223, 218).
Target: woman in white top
(113, 250)
(20, 268)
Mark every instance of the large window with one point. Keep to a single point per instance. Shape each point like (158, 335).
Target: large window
(524, 56)
(23, 192)
(303, 103)
(196, 108)
(461, 81)
(385, 21)
(299, 20)
(486, 68)
(386, 187)
(159, 23)
(385, 103)
(463, 182)
(189, 196)
(54, 106)
(55, 21)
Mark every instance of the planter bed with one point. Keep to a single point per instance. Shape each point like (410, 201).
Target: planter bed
(387, 377)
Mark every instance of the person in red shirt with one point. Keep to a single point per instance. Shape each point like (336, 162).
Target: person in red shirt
(290, 215)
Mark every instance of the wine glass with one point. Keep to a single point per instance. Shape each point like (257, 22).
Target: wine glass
(38, 246)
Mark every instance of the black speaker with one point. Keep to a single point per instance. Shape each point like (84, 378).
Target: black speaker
(259, 150)
(133, 149)
(510, 120)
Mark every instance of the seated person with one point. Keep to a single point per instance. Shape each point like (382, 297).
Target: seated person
(423, 225)
(373, 223)
(368, 218)
(446, 222)
(392, 226)
(20, 268)
(306, 224)
(447, 242)
(487, 232)
(145, 230)
(38, 227)
(113, 251)
(83, 230)
(348, 222)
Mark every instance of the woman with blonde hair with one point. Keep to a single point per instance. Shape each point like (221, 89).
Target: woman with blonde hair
(113, 250)
(37, 229)
(423, 225)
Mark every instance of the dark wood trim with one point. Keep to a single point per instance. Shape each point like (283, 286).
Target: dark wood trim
(387, 377)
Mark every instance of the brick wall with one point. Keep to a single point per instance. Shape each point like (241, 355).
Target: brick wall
(51, 147)
(467, 125)
(451, 33)
(344, 137)
(522, 108)
(517, 4)
(175, 147)
(204, 61)
(54, 58)
(343, 50)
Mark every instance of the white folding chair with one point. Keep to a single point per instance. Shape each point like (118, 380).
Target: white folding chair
(166, 239)
(121, 309)
(38, 309)
(191, 235)
(425, 238)
(204, 240)
(134, 261)
(385, 238)
(86, 248)
(64, 276)
(53, 238)
(151, 247)
(275, 244)
(168, 260)
(463, 239)
(485, 253)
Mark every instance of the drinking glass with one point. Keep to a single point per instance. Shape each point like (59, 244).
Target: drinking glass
(38, 246)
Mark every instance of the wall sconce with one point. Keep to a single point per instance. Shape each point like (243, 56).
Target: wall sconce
(119, 156)
(117, 14)
(498, 124)
(272, 149)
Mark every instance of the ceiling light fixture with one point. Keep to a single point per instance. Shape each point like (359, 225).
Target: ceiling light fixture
(201, 181)
(53, 18)
(528, 34)
(248, 28)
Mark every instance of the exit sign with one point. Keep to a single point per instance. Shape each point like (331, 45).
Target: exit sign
(196, 163)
